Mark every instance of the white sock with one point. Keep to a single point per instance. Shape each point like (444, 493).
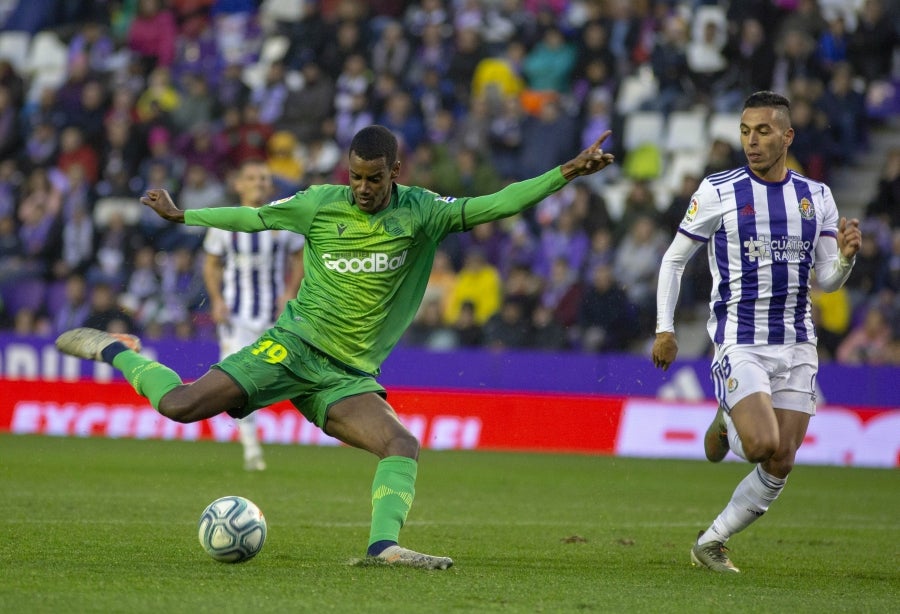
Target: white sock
(250, 441)
(734, 440)
(750, 500)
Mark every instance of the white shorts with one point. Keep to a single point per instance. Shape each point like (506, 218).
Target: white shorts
(233, 337)
(787, 373)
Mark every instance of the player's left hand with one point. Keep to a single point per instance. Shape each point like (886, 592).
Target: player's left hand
(849, 237)
(590, 160)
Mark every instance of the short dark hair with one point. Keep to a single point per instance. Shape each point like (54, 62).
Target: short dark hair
(767, 99)
(373, 142)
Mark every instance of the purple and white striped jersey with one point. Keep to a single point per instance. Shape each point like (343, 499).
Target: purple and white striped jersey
(254, 273)
(761, 241)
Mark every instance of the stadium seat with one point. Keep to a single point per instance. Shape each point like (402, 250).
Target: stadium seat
(129, 208)
(643, 127)
(14, 47)
(635, 90)
(615, 194)
(726, 126)
(47, 54)
(686, 131)
(680, 164)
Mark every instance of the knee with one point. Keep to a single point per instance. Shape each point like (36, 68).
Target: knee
(177, 407)
(760, 448)
(403, 444)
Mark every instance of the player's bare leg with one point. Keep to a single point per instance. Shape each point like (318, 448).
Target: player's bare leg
(715, 442)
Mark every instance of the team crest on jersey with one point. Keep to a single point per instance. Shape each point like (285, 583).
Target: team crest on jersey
(692, 210)
(807, 210)
(732, 384)
(393, 227)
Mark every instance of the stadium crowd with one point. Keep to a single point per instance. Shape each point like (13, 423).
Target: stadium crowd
(100, 100)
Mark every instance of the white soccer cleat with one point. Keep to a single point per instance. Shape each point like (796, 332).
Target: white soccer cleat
(255, 463)
(89, 343)
(714, 556)
(397, 555)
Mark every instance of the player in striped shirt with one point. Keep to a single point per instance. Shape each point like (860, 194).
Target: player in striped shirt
(766, 229)
(249, 279)
(368, 255)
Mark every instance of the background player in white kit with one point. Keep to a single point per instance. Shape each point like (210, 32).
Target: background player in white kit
(249, 278)
(766, 228)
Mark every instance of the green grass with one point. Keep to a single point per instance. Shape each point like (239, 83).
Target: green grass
(94, 525)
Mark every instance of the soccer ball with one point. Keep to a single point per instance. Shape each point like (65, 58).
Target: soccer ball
(232, 529)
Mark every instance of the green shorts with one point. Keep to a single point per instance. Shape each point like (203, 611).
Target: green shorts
(281, 366)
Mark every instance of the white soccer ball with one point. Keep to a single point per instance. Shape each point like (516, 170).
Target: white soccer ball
(232, 529)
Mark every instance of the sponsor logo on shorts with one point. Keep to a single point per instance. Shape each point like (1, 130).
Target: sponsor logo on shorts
(371, 263)
(732, 384)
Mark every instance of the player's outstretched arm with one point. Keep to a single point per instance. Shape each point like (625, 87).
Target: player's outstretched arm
(161, 202)
(589, 161)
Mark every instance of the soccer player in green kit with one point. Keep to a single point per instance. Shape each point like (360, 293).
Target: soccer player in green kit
(369, 251)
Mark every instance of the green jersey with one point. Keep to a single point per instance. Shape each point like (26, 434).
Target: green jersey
(365, 274)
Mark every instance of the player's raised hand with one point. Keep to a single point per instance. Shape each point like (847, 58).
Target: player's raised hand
(160, 201)
(590, 160)
(849, 237)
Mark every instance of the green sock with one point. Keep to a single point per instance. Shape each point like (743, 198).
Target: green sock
(393, 490)
(149, 378)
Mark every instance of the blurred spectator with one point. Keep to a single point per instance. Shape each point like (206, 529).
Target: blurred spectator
(141, 295)
(869, 342)
(73, 150)
(505, 138)
(202, 146)
(105, 312)
(401, 118)
(346, 40)
(75, 308)
(429, 330)
(562, 292)
(795, 58)
(832, 312)
(391, 52)
(284, 160)
(868, 272)
(813, 146)
(636, 264)
(606, 319)
(886, 203)
(77, 250)
(160, 98)
(468, 331)
(305, 109)
(549, 65)
(196, 106)
(546, 139)
(115, 245)
(245, 136)
(464, 173)
(750, 58)
(833, 44)
(546, 332)
(873, 43)
(231, 92)
(10, 137)
(508, 328)
(271, 94)
(499, 78)
(152, 33)
(845, 109)
(562, 238)
(478, 283)
(441, 281)
(706, 58)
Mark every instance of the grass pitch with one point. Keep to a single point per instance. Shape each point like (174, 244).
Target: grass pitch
(95, 525)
